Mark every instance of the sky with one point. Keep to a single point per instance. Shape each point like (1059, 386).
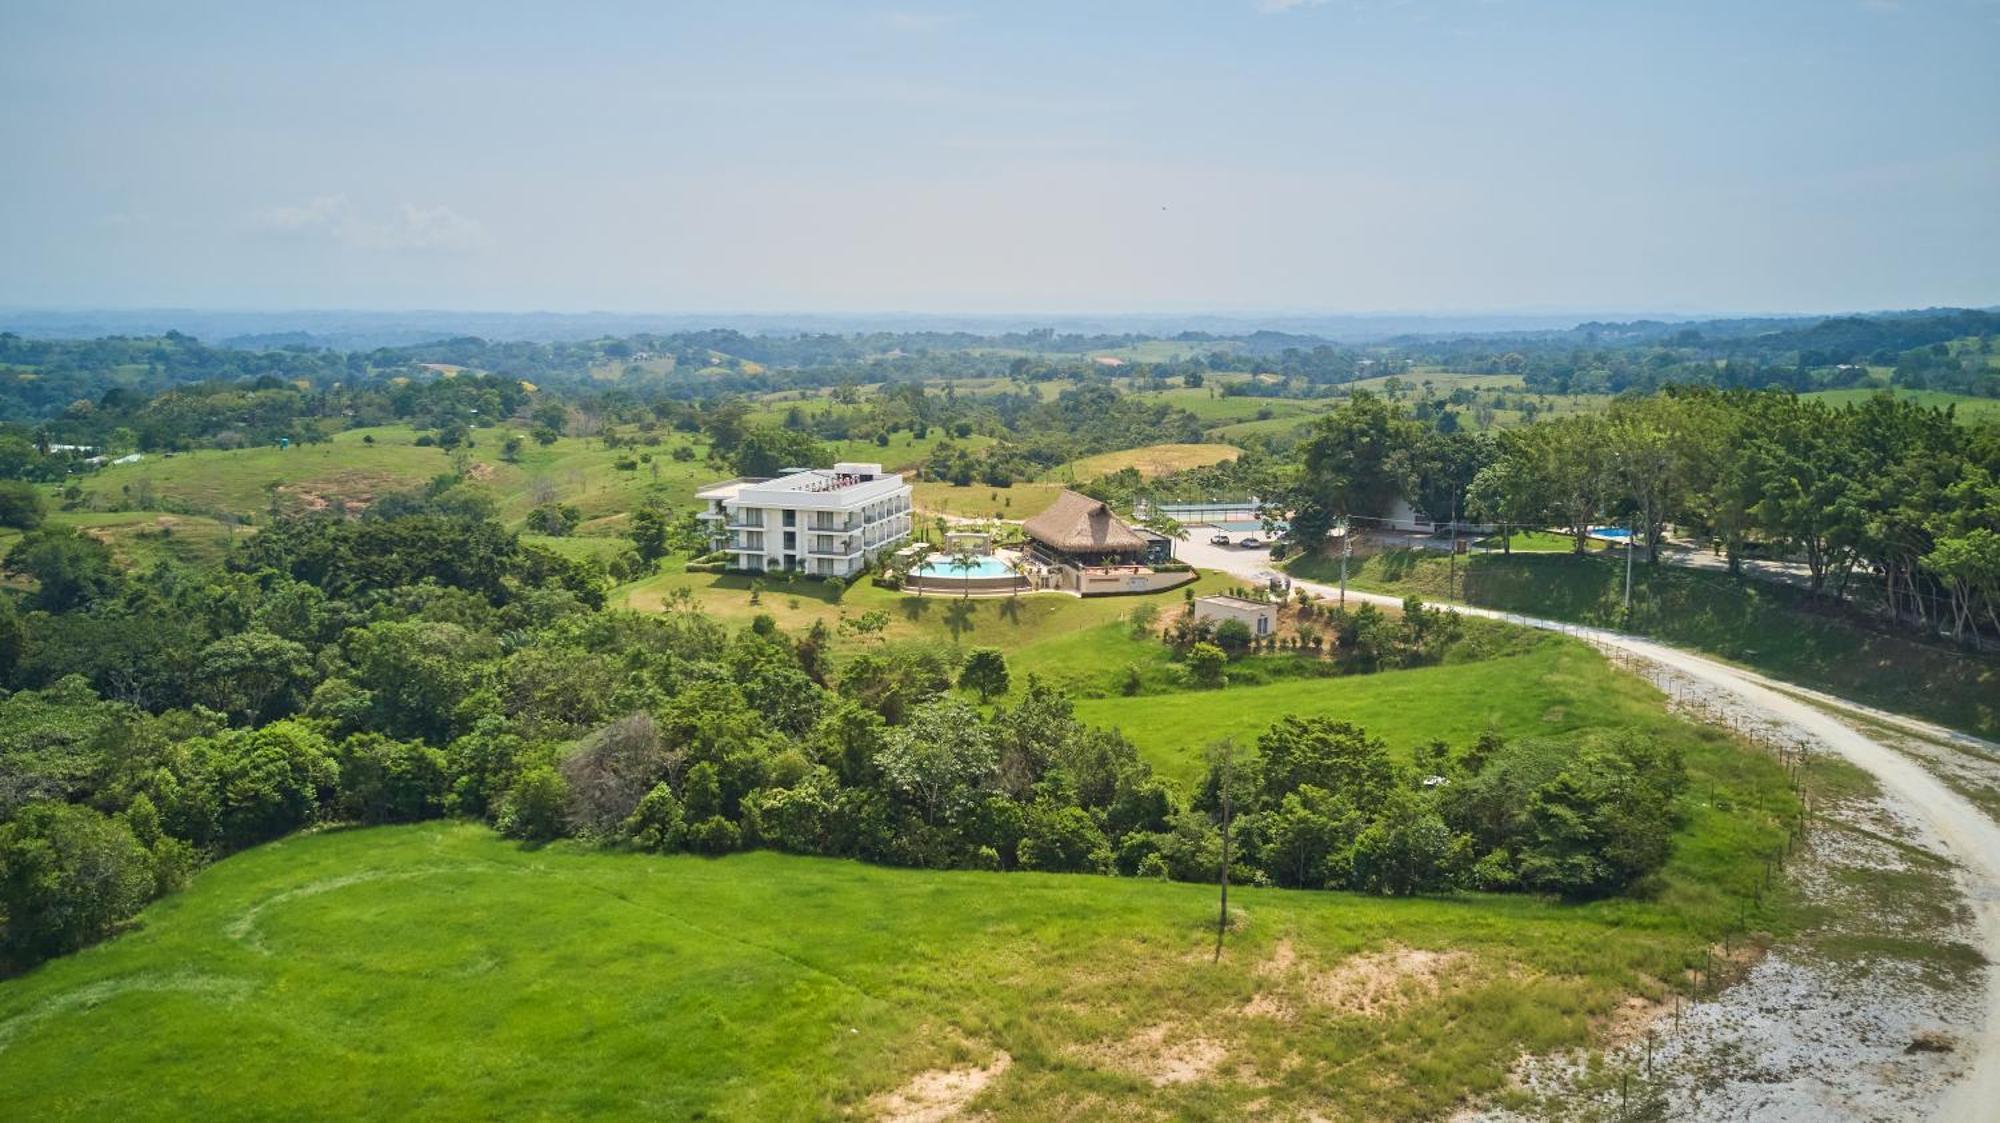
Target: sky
(1222, 156)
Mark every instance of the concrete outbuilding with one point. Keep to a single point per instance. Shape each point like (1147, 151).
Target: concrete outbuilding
(1261, 618)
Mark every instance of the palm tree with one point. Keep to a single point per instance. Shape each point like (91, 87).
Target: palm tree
(965, 560)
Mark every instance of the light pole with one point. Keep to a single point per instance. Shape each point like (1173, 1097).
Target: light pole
(1451, 557)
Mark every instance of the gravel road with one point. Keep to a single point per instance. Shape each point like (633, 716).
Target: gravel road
(1967, 834)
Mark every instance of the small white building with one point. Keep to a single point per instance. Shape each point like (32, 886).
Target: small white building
(826, 522)
(1261, 618)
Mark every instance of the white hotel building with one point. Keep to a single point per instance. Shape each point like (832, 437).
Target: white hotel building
(820, 521)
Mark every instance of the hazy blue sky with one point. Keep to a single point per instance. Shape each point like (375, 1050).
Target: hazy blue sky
(1751, 155)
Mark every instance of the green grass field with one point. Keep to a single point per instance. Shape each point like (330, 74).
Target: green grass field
(1023, 500)
(358, 465)
(1970, 410)
(1082, 645)
(1556, 689)
(1537, 542)
(1763, 625)
(436, 971)
(141, 539)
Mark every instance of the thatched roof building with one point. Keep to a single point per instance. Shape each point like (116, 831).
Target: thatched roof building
(1079, 526)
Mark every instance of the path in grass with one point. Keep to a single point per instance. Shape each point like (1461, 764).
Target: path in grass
(437, 971)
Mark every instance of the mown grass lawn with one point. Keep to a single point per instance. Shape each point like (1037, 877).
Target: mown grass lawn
(436, 971)
(1767, 626)
(1082, 645)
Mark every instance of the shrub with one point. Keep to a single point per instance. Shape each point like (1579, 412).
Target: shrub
(1234, 636)
(713, 835)
(1205, 665)
(1063, 839)
(533, 808)
(655, 824)
(388, 781)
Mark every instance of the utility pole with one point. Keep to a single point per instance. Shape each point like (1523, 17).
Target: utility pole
(1228, 782)
(1451, 558)
(1346, 551)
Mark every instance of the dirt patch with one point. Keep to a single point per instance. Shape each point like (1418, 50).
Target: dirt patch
(938, 1094)
(1267, 1004)
(1283, 958)
(1380, 983)
(481, 472)
(1160, 1055)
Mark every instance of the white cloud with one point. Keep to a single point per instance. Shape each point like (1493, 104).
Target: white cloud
(1274, 7)
(407, 228)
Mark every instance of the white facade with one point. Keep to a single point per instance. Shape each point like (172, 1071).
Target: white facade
(1260, 617)
(823, 522)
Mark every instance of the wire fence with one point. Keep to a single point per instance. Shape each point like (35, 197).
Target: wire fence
(1707, 969)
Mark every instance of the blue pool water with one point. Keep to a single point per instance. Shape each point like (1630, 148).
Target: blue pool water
(1615, 533)
(941, 565)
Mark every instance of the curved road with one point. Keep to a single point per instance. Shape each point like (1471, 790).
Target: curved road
(1972, 838)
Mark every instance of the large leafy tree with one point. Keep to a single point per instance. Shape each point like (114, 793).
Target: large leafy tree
(1803, 472)
(68, 876)
(21, 505)
(70, 568)
(1355, 462)
(940, 759)
(253, 675)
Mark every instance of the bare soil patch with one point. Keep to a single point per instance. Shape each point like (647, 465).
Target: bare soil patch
(938, 1094)
(1376, 984)
(1161, 1055)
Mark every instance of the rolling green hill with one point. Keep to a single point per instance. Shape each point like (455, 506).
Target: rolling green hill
(436, 971)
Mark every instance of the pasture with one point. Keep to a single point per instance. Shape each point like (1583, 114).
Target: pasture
(1149, 461)
(1021, 500)
(1968, 409)
(1554, 689)
(437, 971)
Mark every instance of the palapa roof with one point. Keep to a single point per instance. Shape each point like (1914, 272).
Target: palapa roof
(1078, 524)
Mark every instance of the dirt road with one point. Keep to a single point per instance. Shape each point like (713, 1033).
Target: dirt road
(1971, 837)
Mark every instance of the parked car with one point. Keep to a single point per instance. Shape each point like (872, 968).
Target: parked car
(1219, 538)
(1250, 542)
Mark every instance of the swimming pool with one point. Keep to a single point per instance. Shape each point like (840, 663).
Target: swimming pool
(1615, 533)
(985, 565)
